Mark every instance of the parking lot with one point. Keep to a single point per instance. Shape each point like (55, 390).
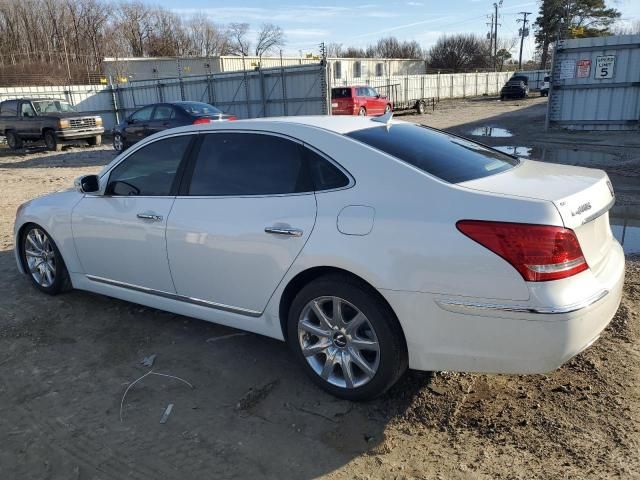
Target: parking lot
(66, 362)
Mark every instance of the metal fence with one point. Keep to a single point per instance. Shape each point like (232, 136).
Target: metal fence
(404, 91)
(596, 84)
(293, 90)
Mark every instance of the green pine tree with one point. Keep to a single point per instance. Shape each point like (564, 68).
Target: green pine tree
(571, 19)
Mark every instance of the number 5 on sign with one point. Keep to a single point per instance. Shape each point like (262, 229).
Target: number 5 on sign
(605, 66)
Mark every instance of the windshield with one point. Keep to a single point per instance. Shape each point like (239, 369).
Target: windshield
(199, 108)
(450, 158)
(52, 106)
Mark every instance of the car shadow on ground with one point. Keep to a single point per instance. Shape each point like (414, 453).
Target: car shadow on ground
(71, 156)
(252, 412)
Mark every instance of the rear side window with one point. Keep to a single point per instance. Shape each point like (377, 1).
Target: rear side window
(239, 164)
(163, 112)
(450, 158)
(340, 93)
(9, 108)
(325, 175)
(151, 170)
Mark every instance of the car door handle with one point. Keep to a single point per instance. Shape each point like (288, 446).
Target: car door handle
(290, 232)
(150, 216)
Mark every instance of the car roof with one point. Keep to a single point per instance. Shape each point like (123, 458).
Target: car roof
(30, 99)
(337, 124)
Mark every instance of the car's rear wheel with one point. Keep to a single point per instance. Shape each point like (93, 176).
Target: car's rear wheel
(95, 141)
(421, 107)
(362, 112)
(347, 339)
(13, 140)
(42, 261)
(51, 141)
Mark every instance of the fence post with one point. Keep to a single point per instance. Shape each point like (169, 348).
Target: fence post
(451, 88)
(486, 86)
(422, 77)
(438, 86)
(114, 102)
(464, 85)
(246, 87)
(212, 89)
(263, 92)
(160, 91)
(283, 80)
(476, 79)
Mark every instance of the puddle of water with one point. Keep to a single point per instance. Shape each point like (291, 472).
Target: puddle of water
(584, 158)
(491, 132)
(627, 231)
(519, 151)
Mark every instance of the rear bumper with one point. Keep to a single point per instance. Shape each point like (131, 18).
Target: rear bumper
(79, 134)
(480, 335)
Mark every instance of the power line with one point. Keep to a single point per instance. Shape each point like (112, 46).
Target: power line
(524, 32)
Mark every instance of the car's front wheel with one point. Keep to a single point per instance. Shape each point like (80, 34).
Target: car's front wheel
(118, 143)
(362, 112)
(42, 261)
(51, 141)
(346, 337)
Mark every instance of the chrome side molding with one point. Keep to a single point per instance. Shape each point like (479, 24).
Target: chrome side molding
(471, 307)
(175, 296)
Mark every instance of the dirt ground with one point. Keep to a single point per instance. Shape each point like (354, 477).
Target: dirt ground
(66, 361)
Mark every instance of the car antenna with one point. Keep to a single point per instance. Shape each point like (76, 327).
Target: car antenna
(386, 119)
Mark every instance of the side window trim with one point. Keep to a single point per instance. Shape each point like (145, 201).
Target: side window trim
(183, 190)
(180, 172)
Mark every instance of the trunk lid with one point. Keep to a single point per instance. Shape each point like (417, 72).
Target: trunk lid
(583, 197)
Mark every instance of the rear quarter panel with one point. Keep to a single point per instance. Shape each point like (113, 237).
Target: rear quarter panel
(414, 244)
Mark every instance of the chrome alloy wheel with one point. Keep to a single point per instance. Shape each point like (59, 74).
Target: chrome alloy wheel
(41, 258)
(338, 342)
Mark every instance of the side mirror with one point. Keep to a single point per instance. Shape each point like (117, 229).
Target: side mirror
(131, 121)
(378, 96)
(87, 184)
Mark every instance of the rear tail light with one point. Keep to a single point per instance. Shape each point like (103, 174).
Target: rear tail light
(232, 119)
(200, 121)
(538, 252)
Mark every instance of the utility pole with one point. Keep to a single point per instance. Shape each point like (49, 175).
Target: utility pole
(524, 32)
(490, 34)
(496, 6)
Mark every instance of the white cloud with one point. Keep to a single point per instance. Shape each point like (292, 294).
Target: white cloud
(415, 4)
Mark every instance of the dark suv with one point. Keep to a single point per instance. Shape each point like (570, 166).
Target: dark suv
(52, 120)
(516, 87)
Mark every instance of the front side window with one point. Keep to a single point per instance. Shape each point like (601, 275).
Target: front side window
(26, 110)
(240, 164)
(151, 170)
(450, 158)
(372, 92)
(142, 115)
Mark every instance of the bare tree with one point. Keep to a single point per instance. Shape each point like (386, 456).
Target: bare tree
(239, 44)
(334, 49)
(459, 52)
(270, 37)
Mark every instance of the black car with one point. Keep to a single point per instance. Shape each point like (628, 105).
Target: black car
(516, 87)
(162, 116)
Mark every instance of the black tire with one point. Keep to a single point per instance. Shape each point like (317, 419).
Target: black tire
(502, 97)
(95, 141)
(393, 359)
(362, 112)
(61, 281)
(51, 141)
(421, 107)
(387, 108)
(13, 140)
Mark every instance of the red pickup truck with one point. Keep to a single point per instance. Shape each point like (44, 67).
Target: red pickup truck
(358, 100)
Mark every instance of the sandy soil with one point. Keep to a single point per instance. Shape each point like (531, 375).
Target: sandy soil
(66, 361)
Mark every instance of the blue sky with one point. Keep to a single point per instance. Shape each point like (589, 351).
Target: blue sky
(359, 23)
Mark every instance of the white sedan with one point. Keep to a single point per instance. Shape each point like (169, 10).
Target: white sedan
(368, 245)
